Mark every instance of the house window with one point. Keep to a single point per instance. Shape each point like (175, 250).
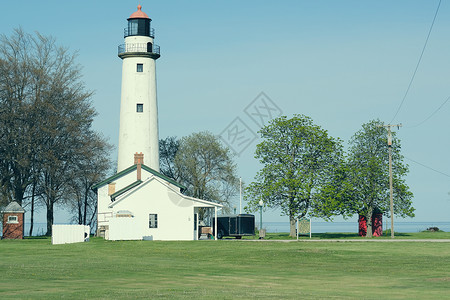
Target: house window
(152, 221)
(140, 68)
(13, 219)
(139, 107)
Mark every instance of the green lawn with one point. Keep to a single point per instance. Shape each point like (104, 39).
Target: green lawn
(33, 268)
(348, 235)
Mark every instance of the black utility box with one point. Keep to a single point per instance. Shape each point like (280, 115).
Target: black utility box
(235, 225)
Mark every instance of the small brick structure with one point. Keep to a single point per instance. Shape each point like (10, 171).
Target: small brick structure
(13, 221)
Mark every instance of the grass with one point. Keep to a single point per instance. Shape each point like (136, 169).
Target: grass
(33, 268)
(348, 235)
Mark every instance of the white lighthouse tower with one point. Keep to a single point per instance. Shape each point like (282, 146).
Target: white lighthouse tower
(138, 107)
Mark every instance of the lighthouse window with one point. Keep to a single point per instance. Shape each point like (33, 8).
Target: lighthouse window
(133, 27)
(139, 27)
(139, 107)
(140, 68)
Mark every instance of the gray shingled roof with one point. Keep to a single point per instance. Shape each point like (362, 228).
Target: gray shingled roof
(133, 168)
(13, 207)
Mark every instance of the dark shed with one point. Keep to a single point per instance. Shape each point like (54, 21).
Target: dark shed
(235, 225)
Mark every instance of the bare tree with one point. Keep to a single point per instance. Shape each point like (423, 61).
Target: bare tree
(90, 169)
(45, 118)
(207, 168)
(202, 164)
(16, 116)
(168, 149)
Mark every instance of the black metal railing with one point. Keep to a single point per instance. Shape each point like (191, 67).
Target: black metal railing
(132, 32)
(138, 48)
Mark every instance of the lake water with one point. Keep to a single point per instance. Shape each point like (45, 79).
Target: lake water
(316, 227)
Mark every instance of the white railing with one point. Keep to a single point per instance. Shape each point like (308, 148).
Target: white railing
(138, 47)
(104, 217)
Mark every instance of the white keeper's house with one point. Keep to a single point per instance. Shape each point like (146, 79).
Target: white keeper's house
(139, 202)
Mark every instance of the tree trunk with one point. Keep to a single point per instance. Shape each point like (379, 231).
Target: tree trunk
(93, 216)
(369, 222)
(49, 217)
(18, 195)
(293, 228)
(80, 215)
(85, 206)
(32, 209)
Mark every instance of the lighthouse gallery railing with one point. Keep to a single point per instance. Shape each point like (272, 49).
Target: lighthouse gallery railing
(138, 47)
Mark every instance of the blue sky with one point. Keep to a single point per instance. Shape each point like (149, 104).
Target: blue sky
(342, 63)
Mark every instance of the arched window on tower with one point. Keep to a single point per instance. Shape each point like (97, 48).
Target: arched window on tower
(149, 47)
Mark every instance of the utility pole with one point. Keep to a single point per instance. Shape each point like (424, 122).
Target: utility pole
(388, 127)
(240, 195)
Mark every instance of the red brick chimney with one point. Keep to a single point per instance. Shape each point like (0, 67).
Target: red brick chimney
(138, 161)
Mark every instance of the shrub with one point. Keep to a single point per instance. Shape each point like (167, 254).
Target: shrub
(433, 229)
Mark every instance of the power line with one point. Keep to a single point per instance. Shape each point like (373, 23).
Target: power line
(425, 166)
(418, 62)
(429, 117)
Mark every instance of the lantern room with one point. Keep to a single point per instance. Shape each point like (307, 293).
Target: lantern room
(139, 24)
(139, 37)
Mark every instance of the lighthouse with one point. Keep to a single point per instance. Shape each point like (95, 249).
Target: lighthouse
(138, 132)
(124, 211)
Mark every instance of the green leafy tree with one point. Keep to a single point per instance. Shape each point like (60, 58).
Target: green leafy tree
(299, 158)
(336, 196)
(368, 163)
(362, 186)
